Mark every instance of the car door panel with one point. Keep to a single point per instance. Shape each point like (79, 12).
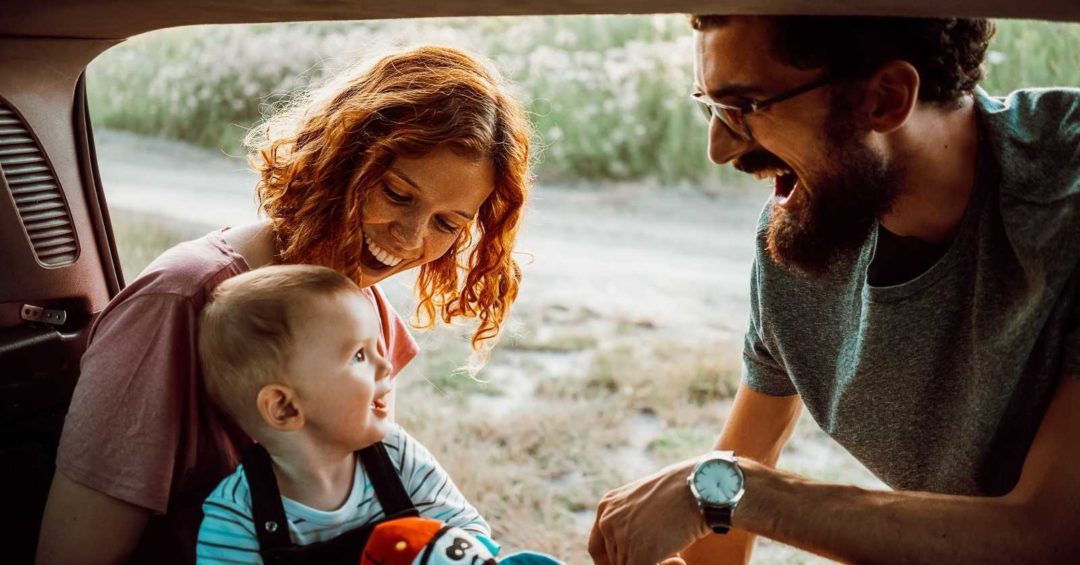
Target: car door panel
(49, 197)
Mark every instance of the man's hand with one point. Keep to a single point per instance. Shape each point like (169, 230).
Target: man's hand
(647, 521)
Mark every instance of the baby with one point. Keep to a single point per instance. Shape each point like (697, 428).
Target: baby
(291, 353)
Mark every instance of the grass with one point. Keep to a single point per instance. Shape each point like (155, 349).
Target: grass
(531, 472)
(1029, 53)
(678, 382)
(441, 368)
(557, 343)
(678, 443)
(142, 237)
(607, 94)
(629, 78)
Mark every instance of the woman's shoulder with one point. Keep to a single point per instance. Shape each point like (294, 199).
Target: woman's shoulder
(180, 279)
(188, 267)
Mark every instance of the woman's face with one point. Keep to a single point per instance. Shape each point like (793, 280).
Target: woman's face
(420, 209)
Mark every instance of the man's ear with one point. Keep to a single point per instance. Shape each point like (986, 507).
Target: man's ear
(891, 94)
(279, 407)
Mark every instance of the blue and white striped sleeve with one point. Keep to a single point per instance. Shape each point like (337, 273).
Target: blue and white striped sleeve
(227, 532)
(431, 489)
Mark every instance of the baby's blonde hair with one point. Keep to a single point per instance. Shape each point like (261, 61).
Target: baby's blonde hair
(246, 331)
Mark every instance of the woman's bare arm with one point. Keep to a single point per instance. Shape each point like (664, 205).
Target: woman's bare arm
(87, 526)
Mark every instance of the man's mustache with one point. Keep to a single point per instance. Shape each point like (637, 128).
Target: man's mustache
(758, 160)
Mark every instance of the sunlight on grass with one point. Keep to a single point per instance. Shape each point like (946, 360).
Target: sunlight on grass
(608, 94)
(142, 237)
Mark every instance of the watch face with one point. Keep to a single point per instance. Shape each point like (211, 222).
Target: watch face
(718, 482)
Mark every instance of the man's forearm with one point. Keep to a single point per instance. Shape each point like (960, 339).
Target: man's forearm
(857, 525)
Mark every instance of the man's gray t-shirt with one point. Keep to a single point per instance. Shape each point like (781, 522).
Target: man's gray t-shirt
(940, 383)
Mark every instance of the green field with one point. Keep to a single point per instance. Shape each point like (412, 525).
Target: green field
(608, 94)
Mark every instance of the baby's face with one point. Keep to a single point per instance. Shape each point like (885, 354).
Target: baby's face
(342, 380)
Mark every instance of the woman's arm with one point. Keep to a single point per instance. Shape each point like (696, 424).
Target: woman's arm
(114, 464)
(83, 525)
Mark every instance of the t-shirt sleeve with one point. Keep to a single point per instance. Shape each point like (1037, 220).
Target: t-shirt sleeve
(227, 533)
(431, 489)
(123, 430)
(401, 347)
(760, 370)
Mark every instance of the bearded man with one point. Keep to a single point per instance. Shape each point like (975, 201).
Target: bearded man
(915, 287)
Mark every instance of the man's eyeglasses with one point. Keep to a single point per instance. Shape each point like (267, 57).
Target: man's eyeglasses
(734, 115)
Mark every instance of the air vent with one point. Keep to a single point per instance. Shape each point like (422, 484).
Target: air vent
(37, 194)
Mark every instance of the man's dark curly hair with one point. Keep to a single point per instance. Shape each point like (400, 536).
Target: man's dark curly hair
(947, 53)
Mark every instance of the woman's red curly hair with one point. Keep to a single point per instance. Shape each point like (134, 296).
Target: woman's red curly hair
(321, 158)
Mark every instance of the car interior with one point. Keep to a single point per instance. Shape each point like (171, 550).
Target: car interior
(58, 257)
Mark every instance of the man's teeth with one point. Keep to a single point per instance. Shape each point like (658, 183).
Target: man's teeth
(383, 256)
(772, 173)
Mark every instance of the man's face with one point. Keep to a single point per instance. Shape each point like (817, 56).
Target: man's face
(829, 185)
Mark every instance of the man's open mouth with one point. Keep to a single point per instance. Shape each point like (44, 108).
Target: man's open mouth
(764, 165)
(784, 186)
(785, 181)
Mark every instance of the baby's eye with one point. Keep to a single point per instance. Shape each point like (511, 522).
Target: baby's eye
(360, 356)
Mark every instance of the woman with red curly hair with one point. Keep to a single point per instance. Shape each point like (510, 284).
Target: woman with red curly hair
(418, 161)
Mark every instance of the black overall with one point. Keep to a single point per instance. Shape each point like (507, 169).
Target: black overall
(275, 544)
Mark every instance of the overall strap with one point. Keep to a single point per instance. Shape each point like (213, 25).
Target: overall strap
(392, 495)
(266, 508)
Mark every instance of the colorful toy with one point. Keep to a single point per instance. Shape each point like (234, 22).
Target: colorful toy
(423, 541)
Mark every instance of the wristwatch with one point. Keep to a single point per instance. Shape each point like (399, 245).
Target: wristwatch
(717, 484)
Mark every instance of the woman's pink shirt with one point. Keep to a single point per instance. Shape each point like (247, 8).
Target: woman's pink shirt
(141, 428)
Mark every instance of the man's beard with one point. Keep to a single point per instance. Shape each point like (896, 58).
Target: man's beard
(834, 219)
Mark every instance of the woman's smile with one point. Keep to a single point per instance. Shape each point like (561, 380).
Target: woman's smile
(376, 261)
(381, 255)
(420, 207)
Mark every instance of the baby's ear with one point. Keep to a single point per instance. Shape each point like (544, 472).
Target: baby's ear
(279, 407)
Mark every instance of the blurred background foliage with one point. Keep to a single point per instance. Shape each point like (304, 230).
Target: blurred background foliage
(608, 94)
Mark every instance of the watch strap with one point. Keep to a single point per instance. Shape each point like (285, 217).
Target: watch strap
(718, 518)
